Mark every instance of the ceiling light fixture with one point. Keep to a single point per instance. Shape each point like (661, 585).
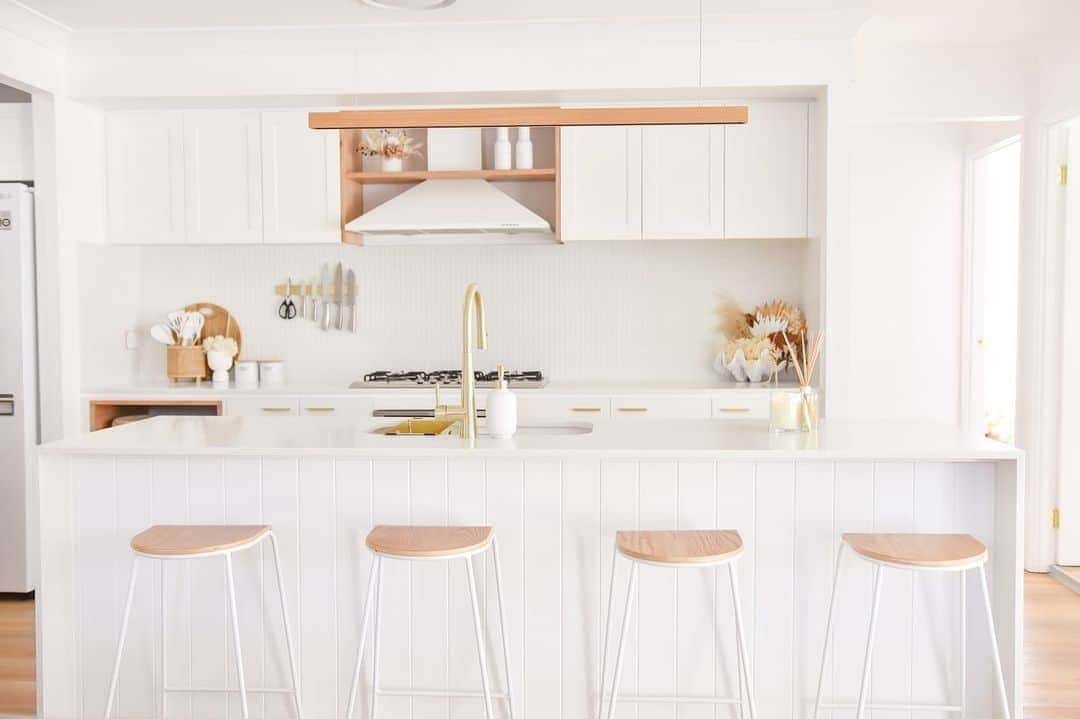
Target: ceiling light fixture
(409, 4)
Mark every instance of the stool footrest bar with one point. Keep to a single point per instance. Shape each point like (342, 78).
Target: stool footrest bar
(214, 690)
(649, 699)
(437, 693)
(897, 707)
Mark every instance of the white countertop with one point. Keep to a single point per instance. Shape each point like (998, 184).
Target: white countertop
(206, 390)
(747, 439)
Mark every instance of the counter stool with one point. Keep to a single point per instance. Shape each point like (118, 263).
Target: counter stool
(921, 553)
(176, 542)
(686, 548)
(431, 544)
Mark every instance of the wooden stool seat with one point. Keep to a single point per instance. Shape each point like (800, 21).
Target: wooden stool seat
(165, 540)
(919, 550)
(687, 546)
(407, 541)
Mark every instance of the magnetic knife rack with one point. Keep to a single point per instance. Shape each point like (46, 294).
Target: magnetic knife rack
(308, 289)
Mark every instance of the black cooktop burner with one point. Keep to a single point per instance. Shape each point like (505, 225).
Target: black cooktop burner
(449, 377)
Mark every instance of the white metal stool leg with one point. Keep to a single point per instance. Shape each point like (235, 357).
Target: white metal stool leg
(163, 577)
(123, 636)
(375, 643)
(234, 618)
(864, 686)
(828, 631)
(363, 636)
(963, 644)
(486, 682)
(744, 661)
(607, 635)
(994, 644)
(503, 628)
(630, 590)
(288, 634)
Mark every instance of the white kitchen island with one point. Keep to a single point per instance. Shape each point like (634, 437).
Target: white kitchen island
(555, 502)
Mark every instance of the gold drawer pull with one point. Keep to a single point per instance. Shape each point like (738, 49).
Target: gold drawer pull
(633, 409)
(584, 409)
(732, 409)
(277, 409)
(319, 409)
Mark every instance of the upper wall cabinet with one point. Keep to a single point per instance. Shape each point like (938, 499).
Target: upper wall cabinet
(683, 182)
(144, 178)
(601, 183)
(765, 167)
(223, 177)
(300, 185)
(219, 177)
(16, 142)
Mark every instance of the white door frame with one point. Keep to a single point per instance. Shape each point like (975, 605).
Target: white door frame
(970, 408)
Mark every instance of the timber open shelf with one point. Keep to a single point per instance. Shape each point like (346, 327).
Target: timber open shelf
(533, 175)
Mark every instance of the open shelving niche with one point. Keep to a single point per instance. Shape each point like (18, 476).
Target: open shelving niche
(364, 186)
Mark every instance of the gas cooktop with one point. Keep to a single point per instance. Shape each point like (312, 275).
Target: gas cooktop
(446, 378)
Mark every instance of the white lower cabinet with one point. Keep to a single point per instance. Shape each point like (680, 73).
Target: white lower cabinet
(270, 406)
(357, 408)
(563, 408)
(742, 404)
(662, 407)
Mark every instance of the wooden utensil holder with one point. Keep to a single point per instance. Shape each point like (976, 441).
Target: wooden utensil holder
(186, 363)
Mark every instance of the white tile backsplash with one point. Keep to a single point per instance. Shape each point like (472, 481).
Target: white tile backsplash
(595, 310)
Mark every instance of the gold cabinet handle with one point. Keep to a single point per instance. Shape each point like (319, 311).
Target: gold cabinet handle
(633, 409)
(584, 409)
(732, 410)
(319, 409)
(277, 409)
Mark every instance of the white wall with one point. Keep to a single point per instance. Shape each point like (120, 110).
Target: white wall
(905, 272)
(604, 310)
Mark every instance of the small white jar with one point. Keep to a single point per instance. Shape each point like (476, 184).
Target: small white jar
(247, 374)
(271, 373)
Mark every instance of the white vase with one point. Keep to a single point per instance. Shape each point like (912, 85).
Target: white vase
(523, 150)
(391, 164)
(503, 153)
(220, 362)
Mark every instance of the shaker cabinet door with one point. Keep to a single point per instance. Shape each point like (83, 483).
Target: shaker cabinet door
(766, 172)
(144, 178)
(300, 180)
(601, 183)
(223, 176)
(683, 182)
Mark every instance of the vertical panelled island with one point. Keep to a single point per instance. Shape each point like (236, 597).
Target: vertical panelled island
(555, 497)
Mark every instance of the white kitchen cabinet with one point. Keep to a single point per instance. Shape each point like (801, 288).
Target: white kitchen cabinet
(601, 183)
(765, 160)
(741, 404)
(683, 182)
(301, 187)
(268, 406)
(223, 176)
(16, 142)
(353, 408)
(144, 177)
(660, 407)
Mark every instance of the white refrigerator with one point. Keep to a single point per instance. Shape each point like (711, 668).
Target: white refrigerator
(18, 387)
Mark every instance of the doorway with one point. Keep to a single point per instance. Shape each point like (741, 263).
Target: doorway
(993, 295)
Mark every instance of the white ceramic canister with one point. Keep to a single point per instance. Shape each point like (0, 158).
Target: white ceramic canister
(523, 150)
(271, 373)
(503, 151)
(247, 374)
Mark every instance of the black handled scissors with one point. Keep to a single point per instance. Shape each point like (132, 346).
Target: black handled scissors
(287, 309)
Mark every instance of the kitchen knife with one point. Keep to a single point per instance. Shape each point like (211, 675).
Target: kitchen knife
(339, 298)
(350, 297)
(324, 289)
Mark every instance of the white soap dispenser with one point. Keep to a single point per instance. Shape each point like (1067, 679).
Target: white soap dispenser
(501, 410)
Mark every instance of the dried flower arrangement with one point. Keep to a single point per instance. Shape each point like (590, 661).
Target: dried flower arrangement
(221, 343)
(757, 345)
(388, 144)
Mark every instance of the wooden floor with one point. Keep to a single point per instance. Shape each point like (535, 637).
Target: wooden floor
(1051, 652)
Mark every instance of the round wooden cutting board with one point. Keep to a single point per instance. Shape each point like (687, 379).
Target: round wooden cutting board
(219, 321)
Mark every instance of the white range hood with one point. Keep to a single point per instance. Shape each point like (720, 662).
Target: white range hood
(452, 211)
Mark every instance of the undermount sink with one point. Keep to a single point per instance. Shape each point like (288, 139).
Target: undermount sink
(436, 427)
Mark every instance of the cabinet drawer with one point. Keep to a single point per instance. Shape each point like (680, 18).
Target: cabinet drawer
(651, 407)
(270, 406)
(349, 407)
(740, 404)
(561, 409)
